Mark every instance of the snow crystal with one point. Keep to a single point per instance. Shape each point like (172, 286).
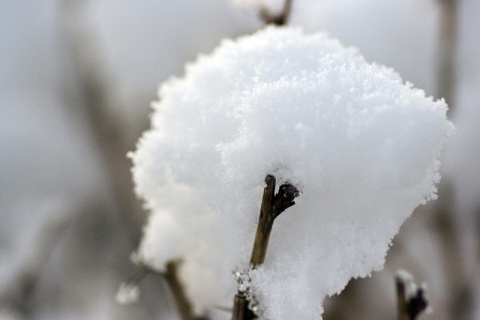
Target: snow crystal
(127, 293)
(412, 290)
(407, 279)
(361, 145)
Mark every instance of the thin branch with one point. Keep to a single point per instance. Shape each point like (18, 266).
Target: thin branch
(410, 303)
(401, 299)
(184, 306)
(447, 51)
(240, 308)
(87, 93)
(280, 19)
(272, 206)
(265, 223)
(18, 294)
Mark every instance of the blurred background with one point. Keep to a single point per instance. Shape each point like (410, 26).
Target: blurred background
(76, 81)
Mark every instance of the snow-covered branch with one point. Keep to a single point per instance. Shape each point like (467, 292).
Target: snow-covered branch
(361, 145)
(411, 300)
(272, 206)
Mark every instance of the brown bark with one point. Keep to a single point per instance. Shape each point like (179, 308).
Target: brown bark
(272, 206)
(184, 307)
(409, 307)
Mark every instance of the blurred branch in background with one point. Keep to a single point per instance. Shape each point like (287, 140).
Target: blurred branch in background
(177, 293)
(446, 221)
(411, 301)
(90, 96)
(279, 19)
(92, 82)
(447, 48)
(17, 295)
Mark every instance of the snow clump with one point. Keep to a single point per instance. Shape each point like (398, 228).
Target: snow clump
(361, 145)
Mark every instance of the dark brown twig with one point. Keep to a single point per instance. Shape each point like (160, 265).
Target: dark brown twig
(18, 293)
(280, 19)
(265, 223)
(447, 51)
(410, 304)
(240, 308)
(272, 206)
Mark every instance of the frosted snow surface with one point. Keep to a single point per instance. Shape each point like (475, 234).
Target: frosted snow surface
(361, 145)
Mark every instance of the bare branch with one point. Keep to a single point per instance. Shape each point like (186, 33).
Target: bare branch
(280, 19)
(272, 206)
(447, 51)
(240, 308)
(184, 306)
(265, 223)
(410, 303)
(18, 293)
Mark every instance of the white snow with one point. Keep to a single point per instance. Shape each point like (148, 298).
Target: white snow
(127, 293)
(361, 145)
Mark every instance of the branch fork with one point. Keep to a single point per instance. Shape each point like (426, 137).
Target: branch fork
(272, 206)
(411, 300)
